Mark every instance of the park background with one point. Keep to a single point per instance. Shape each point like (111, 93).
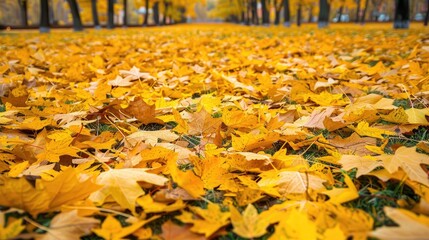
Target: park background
(28, 13)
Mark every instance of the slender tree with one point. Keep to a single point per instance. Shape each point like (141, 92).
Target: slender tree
(125, 17)
(164, 17)
(77, 23)
(246, 12)
(402, 14)
(44, 16)
(357, 11)
(277, 9)
(110, 14)
(254, 6)
(286, 13)
(299, 14)
(24, 13)
(324, 7)
(52, 20)
(146, 14)
(95, 14)
(249, 12)
(362, 20)
(155, 9)
(340, 13)
(265, 13)
(427, 13)
(241, 4)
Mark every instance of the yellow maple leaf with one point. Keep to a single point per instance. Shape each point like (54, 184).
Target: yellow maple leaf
(239, 119)
(150, 206)
(12, 229)
(54, 149)
(248, 224)
(202, 123)
(398, 115)
(151, 137)
(213, 218)
(122, 185)
(33, 123)
(411, 226)
(212, 170)
(101, 145)
(295, 225)
(364, 165)
(342, 195)
(249, 141)
(65, 188)
(290, 182)
(182, 125)
(17, 169)
(209, 102)
(186, 179)
(418, 116)
(409, 160)
(325, 99)
(112, 229)
(363, 129)
(69, 225)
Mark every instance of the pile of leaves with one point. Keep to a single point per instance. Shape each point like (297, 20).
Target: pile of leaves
(215, 131)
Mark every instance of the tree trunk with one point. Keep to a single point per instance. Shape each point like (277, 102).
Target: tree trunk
(286, 12)
(402, 14)
(362, 21)
(277, 17)
(52, 20)
(44, 16)
(298, 15)
(323, 13)
(249, 12)
(255, 18)
(340, 13)
(182, 11)
(264, 12)
(155, 9)
(74, 8)
(243, 17)
(146, 15)
(95, 14)
(110, 14)
(310, 14)
(427, 13)
(357, 11)
(164, 18)
(24, 14)
(125, 17)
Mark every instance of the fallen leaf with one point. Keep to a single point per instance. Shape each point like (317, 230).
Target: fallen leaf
(411, 226)
(112, 229)
(410, 161)
(173, 231)
(363, 129)
(295, 225)
(122, 185)
(248, 224)
(212, 219)
(12, 229)
(69, 225)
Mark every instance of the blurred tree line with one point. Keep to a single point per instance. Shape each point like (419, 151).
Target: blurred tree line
(97, 13)
(266, 12)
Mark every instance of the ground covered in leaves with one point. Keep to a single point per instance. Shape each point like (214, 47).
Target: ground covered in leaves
(215, 131)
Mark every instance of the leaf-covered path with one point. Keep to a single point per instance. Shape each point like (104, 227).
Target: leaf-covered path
(215, 131)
